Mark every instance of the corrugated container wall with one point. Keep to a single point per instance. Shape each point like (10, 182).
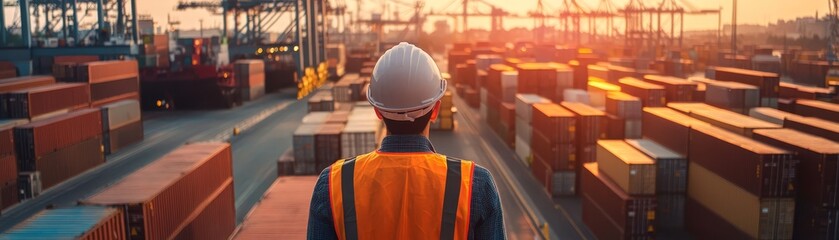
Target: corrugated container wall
(79, 222)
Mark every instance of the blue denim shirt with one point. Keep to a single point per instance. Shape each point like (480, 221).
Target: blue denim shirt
(485, 221)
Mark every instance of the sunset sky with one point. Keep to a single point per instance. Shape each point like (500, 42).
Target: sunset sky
(750, 11)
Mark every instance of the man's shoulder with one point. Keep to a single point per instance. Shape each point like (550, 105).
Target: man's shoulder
(480, 173)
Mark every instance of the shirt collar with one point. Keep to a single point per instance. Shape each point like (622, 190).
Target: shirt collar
(406, 143)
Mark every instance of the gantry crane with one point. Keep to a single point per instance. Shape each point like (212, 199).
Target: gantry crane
(644, 25)
(304, 38)
(496, 15)
(65, 31)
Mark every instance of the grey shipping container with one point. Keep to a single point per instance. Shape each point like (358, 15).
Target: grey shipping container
(670, 211)
(733, 96)
(524, 105)
(123, 136)
(328, 145)
(669, 128)
(564, 183)
(303, 142)
(121, 113)
(671, 167)
(623, 105)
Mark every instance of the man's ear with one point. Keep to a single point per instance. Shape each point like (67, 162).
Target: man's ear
(435, 111)
(378, 114)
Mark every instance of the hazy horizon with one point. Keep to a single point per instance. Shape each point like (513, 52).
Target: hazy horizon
(749, 11)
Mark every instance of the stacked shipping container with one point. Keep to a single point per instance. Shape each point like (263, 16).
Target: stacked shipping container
(611, 213)
(250, 74)
(79, 222)
(122, 125)
(282, 213)
(671, 183)
(623, 116)
(187, 193)
(110, 81)
(554, 152)
(524, 128)
(767, 82)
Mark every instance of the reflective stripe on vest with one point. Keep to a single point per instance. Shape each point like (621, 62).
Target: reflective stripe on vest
(401, 196)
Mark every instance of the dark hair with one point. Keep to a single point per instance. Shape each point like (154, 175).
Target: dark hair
(407, 127)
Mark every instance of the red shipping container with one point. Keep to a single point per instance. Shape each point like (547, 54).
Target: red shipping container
(508, 123)
(815, 126)
(532, 76)
(590, 122)
(818, 109)
(19, 83)
(669, 128)
(34, 102)
(678, 89)
(818, 168)
(493, 81)
(106, 71)
(560, 156)
(615, 127)
(633, 217)
(8, 169)
(557, 124)
(164, 196)
(114, 89)
(9, 194)
(7, 146)
(701, 221)
(758, 168)
(651, 95)
(282, 213)
(542, 171)
(44, 136)
(217, 216)
(66, 163)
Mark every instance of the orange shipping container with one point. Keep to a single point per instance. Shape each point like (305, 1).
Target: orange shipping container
(161, 199)
(282, 213)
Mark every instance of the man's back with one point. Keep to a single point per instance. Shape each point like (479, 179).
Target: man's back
(406, 191)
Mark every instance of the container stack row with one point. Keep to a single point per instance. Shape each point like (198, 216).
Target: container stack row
(55, 130)
(250, 75)
(186, 194)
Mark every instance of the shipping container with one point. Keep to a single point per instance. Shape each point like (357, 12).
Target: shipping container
(597, 72)
(41, 137)
(9, 194)
(734, 96)
(78, 222)
(29, 184)
(105, 91)
(610, 212)
(327, 145)
(678, 89)
(118, 114)
(597, 92)
(670, 211)
(564, 183)
(728, 120)
(760, 169)
(717, 209)
(249, 72)
(651, 95)
(65, 163)
(24, 82)
(818, 109)
(216, 216)
(123, 136)
(162, 197)
(537, 78)
(618, 72)
(815, 126)
(795, 91)
(560, 156)
(671, 167)
(623, 105)
(590, 121)
(303, 142)
(630, 169)
(359, 138)
(543, 172)
(47, 100)
(524, 105)
(669, 128)
(815, 222)
(557, 124)
(766, 81)
(8, 169)
(106, 71)
(770, 115)
(818, 170)
(282, 213)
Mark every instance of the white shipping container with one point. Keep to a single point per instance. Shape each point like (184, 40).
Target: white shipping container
(523, 130)
(523, 151)
(359, 138)
(524, 105)
(122, 113)
(509, 84)
(576, 96)
(316, 117)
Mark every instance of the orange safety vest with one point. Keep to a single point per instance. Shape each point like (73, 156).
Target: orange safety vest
(383, 195)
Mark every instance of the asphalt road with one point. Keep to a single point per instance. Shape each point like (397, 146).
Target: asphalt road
(167, 131)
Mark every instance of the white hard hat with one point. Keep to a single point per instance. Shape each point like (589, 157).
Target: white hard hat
(405, 83)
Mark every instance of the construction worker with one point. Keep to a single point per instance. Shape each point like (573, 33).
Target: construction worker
(405, 190)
